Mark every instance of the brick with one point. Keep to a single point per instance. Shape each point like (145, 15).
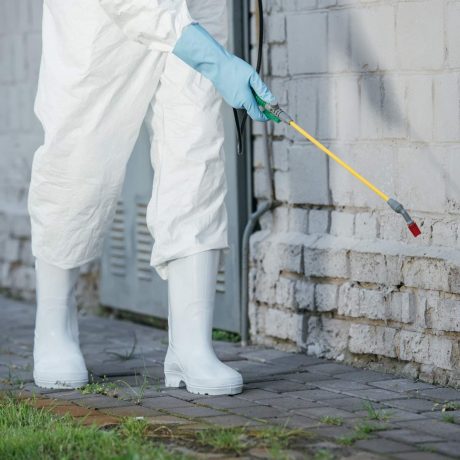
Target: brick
(326, 297)
(284, 325)
(306, 180)
(417, 23)
(426, 273)
(298, 220)
(366, 225)
(327, 337)
(445, 233)
(411, 188)
(339, 40)
(322, 262)
(371, 106)
(304, 295)
(309, 31)
(393, 115)
(446, 315)
(373, 38)
(285, 293)
(426, 349)
(276, 29)
(376, 340)
(420, 107)
(453, 34)
(318, 221)
(348, 108)
(342, 223)
(326, 107)
(446, 107)
(375, 268)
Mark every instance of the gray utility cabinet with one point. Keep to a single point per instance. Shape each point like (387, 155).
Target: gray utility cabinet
(128, 282)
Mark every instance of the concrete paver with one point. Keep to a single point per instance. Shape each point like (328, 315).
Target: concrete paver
(281, 389)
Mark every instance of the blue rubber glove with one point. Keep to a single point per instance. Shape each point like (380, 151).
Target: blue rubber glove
(232, 77)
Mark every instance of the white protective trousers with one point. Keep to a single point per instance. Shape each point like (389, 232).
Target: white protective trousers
(106, 66)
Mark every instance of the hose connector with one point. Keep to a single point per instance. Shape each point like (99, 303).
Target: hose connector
(399, 208)
(272, 111)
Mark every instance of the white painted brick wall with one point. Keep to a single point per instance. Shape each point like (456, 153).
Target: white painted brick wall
(379, 83)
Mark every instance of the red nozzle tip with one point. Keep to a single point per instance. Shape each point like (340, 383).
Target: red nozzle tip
(413, 227)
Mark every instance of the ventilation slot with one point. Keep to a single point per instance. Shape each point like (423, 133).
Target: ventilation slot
(220, 285)
(144, 244)
(117, 260)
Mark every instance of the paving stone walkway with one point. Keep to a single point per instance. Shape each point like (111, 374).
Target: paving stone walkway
(416, 420)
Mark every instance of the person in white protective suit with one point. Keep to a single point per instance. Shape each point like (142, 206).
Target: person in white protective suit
(105, 64)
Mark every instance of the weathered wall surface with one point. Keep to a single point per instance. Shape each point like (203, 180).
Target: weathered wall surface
(334, 271)
(20, 135)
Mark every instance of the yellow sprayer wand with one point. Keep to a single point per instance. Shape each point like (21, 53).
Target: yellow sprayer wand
(275, 113)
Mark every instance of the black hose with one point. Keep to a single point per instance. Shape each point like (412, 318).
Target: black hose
(240, 128)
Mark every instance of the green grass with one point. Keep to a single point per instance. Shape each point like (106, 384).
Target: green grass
(448, 418)
(99, 388)
(374, 414)
(27, 432)
(228, 439)
(324, 454)
(362, 430)
(225, 336)
(329, 420)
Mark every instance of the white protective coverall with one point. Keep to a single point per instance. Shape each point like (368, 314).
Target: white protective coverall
(105, 64)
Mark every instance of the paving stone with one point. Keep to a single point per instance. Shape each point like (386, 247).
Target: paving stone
(383, 446)
(306, 377)
(165, 402)
(131, 411)
(257, 395)
(72, 410)
(375, 394)
(364, 375)
(447, 431)
(231, 420)
(300, 421)
(448, 448)
(166, 420)
(282, 386)
(331, 368)
(260, 412)
(263, 356)
(101, 401)
(320, 412)
(315, 395)
(412, 404)
(332, 431)
(226, 402)
(441, 415)
(67, 395)
(350, 403)
(295, 361)
(400, 385)
(419, 456)
(408, 436)
(395, 415)
(340, 385)
(441, 394)
(195, 411)
(287, 403)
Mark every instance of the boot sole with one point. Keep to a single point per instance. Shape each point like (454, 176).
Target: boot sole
(60, 383)
(174, 380)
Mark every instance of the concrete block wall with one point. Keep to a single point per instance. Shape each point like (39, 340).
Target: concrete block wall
(334, 271)
(20, 136)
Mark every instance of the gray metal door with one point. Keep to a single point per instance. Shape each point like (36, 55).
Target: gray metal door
(128, 282)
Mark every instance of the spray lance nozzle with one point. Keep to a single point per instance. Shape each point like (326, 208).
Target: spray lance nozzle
(276, 114)
(399, 208)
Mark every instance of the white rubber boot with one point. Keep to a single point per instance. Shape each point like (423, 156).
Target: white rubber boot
(190, 358)
(58, 362)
